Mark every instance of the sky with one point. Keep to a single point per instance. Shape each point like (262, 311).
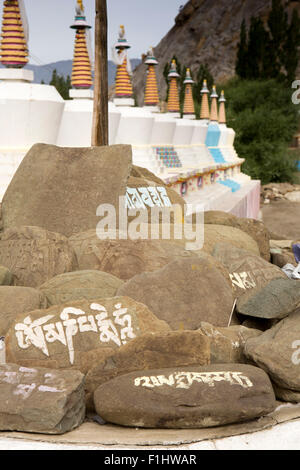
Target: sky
(51, 39)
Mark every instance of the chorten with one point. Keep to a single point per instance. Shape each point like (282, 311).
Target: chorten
(188, 108)
(82, 61)
(205, 115)
(151, 100)
(124, 91)
(214, 105)
(173, 98)
(222, 111)
(14, 51)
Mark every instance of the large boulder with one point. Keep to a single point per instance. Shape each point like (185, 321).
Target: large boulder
(188, 397)
(6, 277)
(60, 189)
(214, 234)
(18, 300)
(77, 285)
(40, 400)
(254, 228)
(185, 292)
(78, 334)
(34, 255)
(275, 301)
(150, 351)
(125, 258)
(247, 270)
(227, 344)
(277, 351)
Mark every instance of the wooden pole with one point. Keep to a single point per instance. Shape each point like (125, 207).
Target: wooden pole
(100, 113)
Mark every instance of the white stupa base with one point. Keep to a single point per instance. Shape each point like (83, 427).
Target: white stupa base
(124, 102)
(23, 75)
(152, 109)
(189, 116)
(173, 115)
(85, 94)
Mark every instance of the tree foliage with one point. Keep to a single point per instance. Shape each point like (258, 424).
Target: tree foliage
(62, 84)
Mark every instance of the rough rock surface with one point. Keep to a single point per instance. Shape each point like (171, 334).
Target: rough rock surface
(247, 271)
(6, 277)
(15, 301)
(150, 351)
(188, 397)
(69, 184)
(40, 400)
(185, 292)
(34, 255)
(77, 285)
(274, 301)
(214, 234)
(78, 334)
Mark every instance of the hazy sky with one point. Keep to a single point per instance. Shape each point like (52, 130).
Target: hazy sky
(51, 39)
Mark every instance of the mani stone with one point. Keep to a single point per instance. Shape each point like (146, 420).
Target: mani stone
(214, 234)
(277, 351)
(227, 344)
(34, 255)
(276, 300)
(186, 397)
(60, 189)
(247, 271)
(78, 334)
(254, 228)
(150, 351)
(6, 277)
(77, 285)
(185, 292)
(40, 400)
(125, 258)
(18, 300)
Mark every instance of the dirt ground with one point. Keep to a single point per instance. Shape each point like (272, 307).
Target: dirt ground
(282, 218)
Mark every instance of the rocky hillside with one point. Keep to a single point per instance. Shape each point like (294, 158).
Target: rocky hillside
(205, 31)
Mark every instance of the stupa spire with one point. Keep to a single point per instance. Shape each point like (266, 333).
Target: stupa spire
(204, 102)
(14, 51)
(82, 61)
(188, 108)
(222, 110)
(173, 99)
(123, 74)
(214, 105)
(151, 90)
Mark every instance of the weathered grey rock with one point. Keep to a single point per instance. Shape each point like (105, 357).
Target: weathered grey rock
(60, 189)
(185, 292)
(18, 300)
(188, 397)
(227, 344)
(40, 400)
(247, 271)
(276, 300)
(150, 351)
(6, 277)
(254, 228)
(284, 394)
(77, 285)
(214, 234)
(125, 258)
(277, 351)
(78, 334)
(34, 255)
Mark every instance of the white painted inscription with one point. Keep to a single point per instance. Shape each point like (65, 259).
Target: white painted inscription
(140, 198)
(296, 354)
(186, 379)
(242, 280)
(39, 333)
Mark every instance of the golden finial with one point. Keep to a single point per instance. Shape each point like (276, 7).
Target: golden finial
(80, 4)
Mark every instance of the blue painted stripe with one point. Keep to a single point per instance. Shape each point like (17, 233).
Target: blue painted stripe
(213, 135)
(217, 155)
(233, 185)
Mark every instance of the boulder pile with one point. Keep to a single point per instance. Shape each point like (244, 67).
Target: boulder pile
(139, 332)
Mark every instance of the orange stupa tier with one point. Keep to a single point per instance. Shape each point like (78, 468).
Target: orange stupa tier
(82, 67)
(173, 98)
(222, 110)
(205, 114)
(151, 91)
(214, 105)
(123, 78)
(188, 108)
(14, 52)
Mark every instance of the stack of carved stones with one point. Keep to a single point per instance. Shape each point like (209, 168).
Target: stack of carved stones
(142, 332)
